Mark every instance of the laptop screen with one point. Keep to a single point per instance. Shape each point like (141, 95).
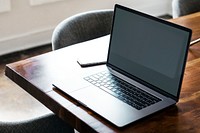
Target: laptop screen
(149, 49)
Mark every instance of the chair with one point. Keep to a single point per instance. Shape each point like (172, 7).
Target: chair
(184, 7)
(45, 124)
(82, 27)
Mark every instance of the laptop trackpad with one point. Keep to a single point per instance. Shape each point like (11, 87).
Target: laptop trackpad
(106, 105)
(70, 85)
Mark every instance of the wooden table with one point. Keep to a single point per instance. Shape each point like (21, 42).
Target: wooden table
(36, 75)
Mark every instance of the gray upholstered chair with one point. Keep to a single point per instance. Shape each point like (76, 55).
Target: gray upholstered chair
(44, 124)
(82, 27)
(184, 7)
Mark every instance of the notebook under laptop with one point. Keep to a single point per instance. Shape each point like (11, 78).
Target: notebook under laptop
(144, 69)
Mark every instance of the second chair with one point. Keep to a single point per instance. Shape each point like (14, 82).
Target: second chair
(82, 27)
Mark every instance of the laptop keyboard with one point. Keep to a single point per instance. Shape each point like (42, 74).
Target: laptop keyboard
(122, 90)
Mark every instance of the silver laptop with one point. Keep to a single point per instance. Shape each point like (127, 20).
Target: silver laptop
(144, 69)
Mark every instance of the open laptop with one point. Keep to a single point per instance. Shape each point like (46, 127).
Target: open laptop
(144, 69)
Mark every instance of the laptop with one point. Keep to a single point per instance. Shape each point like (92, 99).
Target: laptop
(143, 73)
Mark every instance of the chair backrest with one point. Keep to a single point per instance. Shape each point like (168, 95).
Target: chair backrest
(82, 27)
(48, 123)
(184, 7)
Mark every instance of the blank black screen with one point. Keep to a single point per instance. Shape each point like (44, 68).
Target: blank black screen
(148, 49)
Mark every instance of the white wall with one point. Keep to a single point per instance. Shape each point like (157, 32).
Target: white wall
(29, 23)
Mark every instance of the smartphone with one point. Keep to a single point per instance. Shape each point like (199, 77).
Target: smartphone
(88, 62)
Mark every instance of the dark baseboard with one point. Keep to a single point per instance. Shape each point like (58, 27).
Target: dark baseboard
(165, 16)
(20, 55)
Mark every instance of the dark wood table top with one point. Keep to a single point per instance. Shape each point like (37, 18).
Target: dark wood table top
(36, 75)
